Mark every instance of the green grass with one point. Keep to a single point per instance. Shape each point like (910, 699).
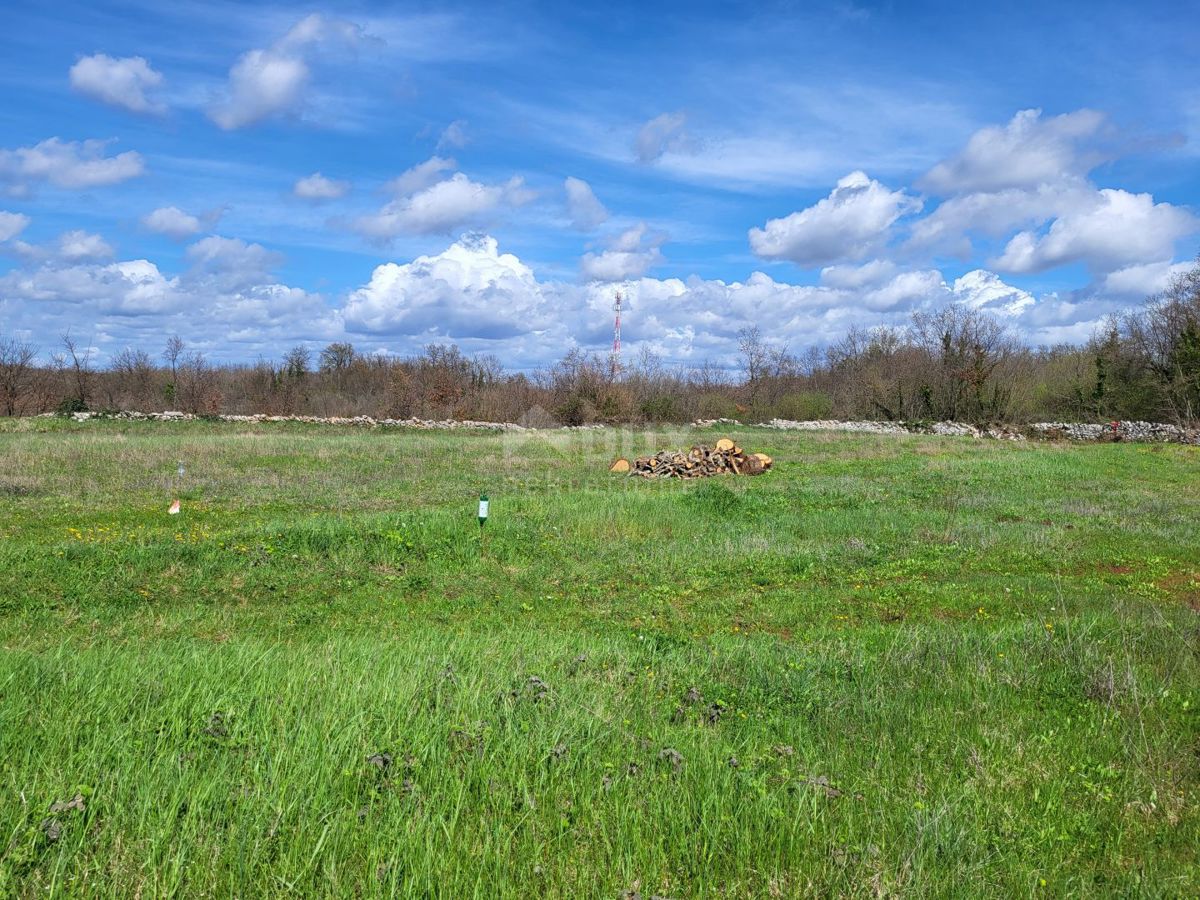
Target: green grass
(942, 667)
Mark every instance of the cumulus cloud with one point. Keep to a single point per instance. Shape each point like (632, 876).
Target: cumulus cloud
(484, 299)
(128, 82)
(317, 187)
(231, 263)
(133, 287)
(629, 255)
(66, 164)
(585, 210)
(1027, 152)
(980, 289)
(848, 224)
(1115, 230)
(172, 222)
(853, 277)
(468, 290)
(272, 81)
(421, 176)
(662, 133)
(225, 300)
(425, 205)
(12, 224)
(76, 246)
(1139, 281)
(995, 214)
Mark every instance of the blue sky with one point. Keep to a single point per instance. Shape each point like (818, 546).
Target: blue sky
(252, 176)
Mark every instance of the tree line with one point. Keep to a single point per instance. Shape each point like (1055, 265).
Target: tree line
(954, 363)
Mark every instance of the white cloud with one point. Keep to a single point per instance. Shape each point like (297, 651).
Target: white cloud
(853, 277)
(629, 255)
(66, 164)
(1027, 152)
(949, 227)
(12, 224)
(980, 289)
(907, 290)
(1140, 281)
(848, 224)
(262, 83)
(421, 176)
(454, 135)
(271, 81)
(468, 290)
(231, 263)
(172, 222)
(487, 300)
(662, 133)
(442, 207)
(77, 246)
(118, 82)
(317, 187)
(1116, 230)
(585, 210)
(133, 287)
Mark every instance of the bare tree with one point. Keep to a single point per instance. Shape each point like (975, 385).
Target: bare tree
(297, 362)
(198, 385)
(755, 353)
(80, 361)
(964, 347)
(172, 353)
(134, 374)
(337, 358)
(16, 374)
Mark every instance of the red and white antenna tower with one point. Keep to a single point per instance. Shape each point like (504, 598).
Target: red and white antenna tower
(616, 350)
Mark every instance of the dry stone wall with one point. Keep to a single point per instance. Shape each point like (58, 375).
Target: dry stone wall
(1149, 432)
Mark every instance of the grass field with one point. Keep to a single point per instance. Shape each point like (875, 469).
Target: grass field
(893, 665)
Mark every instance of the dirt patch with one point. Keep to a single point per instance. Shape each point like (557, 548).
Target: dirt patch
(1184, 586)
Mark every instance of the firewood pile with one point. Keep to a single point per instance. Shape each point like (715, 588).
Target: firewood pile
(726, 458)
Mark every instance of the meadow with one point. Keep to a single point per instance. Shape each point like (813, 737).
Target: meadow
(890, 666)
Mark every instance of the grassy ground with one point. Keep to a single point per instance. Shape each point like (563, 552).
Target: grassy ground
(907, 665)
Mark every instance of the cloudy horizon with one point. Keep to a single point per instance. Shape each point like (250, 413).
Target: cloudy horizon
(250, 177)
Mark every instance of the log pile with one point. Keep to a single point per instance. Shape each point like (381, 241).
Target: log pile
(726, 458)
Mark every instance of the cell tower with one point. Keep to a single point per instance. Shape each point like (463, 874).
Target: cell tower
(615, 359)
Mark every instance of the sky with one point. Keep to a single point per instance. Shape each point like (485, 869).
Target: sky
(252, 176)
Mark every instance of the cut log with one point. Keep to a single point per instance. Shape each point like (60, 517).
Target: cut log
(698, 462)
(621, 465)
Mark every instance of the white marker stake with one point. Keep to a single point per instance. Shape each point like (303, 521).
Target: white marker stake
(483, 514)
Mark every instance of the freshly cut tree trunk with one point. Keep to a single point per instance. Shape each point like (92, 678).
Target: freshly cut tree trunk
(621, 465)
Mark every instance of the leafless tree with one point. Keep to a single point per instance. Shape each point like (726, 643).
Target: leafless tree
(755, 357)
(16, 374)
(297, 362)
(198, 390)
(337, 358)
(964, 347)
(133, 373)
(80, 362)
